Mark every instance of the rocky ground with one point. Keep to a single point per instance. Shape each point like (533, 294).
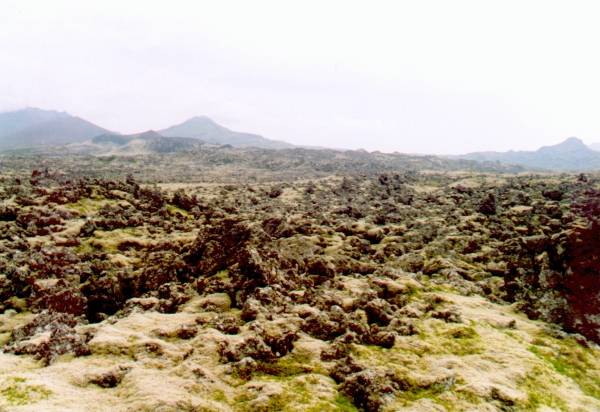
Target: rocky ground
(375, 291)
(226, 164)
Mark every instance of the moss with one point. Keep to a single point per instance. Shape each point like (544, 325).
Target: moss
(572, 360)
(464, 341)
(298, 394)
(343, 403)
(416, 393)
(290, 365)
(444, 396)
(219, 396)
(413, 353)
(458, 340)
(275, 403)
(85, 247)
(4, 338)
(109, 241)
(518, 336)
(174, 210)
(87, 206)
(539, 386)
(440, 392)
(133, 231)
(222, 274)
(461, 396)
(443, 288)
(17, 392)
(340, 403)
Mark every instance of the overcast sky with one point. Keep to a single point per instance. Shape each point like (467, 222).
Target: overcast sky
(408, 76)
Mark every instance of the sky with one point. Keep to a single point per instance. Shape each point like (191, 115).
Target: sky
(442, 77)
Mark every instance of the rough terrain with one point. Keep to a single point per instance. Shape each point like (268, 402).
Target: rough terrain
(373, 290)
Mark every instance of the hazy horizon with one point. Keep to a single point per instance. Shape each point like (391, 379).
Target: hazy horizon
(432, 77)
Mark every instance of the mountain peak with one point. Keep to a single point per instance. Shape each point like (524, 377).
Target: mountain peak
(570, 144)
(209, 131)
(200, 120)
(572, 141)
(201, 117)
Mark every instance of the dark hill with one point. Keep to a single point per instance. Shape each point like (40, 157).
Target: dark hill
(147, 142)
(34, 127)
(204, 128)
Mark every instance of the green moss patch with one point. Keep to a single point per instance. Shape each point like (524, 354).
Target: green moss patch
(458, 340)
(17, 392)
(89, 206)
(113, 241)
(300, 393)
(571, 359)
(293, 364)
(174, 210)
(538, 385)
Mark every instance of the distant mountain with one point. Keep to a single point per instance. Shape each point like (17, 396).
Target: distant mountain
(595, 146)
(35, 127)
(204, 128)
(149, 142)
(12, 122)
(570, 155)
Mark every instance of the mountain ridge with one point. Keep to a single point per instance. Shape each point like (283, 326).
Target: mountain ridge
(33, 127)
(572, 154)
(595, 146)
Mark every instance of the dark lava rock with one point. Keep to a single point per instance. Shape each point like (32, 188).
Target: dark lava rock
(54, 335)
(111, 378)
(488, 205)
(562, 285)
(58, 296)
(218, 246)
(368, 388)
(555, 195)
(253, 347)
